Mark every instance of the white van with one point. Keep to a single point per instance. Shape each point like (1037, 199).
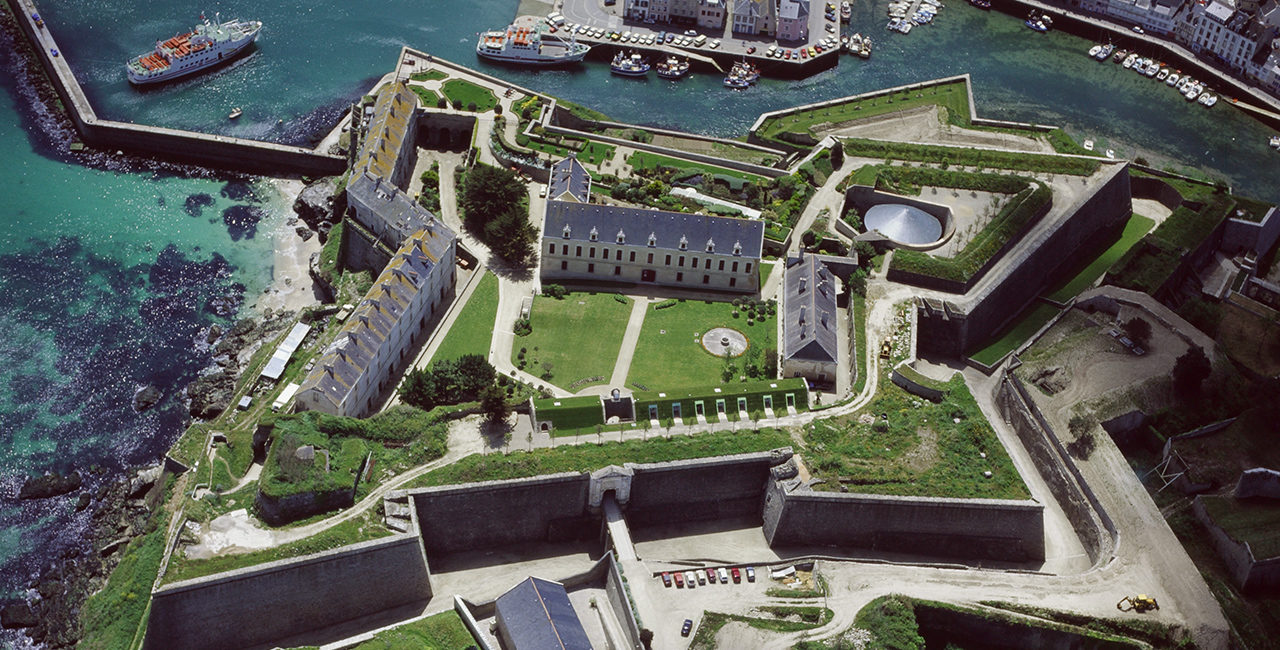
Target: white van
(723, 575)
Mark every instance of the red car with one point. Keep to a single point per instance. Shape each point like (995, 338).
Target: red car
(679, 580)
(711, 575)
(666, 579)
(737, 575)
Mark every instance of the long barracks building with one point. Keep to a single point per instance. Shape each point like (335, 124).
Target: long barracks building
(601, 243)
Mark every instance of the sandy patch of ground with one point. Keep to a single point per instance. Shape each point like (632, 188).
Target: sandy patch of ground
(923, 125)
(1154, 210)
(234, 532)
(291, 287)
(736, 634)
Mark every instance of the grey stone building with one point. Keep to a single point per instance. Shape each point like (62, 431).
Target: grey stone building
(384, 210)
(810, 345)
(537, 615)
(601, 243)
(351, 374)
(569, 181)
(389, 135)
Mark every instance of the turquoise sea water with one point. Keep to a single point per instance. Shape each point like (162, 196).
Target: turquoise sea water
(107, 278)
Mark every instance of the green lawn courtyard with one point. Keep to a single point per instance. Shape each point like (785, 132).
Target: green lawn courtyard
(473, 329)
(464, 91)
(578, 336)
(669, 354)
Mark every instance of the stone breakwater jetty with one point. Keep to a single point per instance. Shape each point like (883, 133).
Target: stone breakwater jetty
(203, 149)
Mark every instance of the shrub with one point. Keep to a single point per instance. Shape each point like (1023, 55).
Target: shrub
(471, 106)
(497, 109)
(457, 104)
(554, 291)
(441, 102)
(523, 328)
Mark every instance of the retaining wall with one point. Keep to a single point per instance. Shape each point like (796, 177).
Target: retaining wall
(170, 144)
(1250, 236)
(989, 529)
(941, 626)
(548, 508)
(1091, 523)
(1040, 260)
(694, 490)
(256, 607)
(1249, 574)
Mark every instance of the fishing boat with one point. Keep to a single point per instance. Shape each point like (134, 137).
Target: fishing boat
(1106, 52)
(532, 45)
(1120, 56)
(672, 68)
(206, 45)
(846, 12)
(235, 112)
(1093, 51)
(629, 65)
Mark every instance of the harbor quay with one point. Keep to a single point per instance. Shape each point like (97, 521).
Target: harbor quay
(1102, 28)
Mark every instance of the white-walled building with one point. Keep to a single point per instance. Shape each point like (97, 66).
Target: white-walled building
(793, 20)
(1155, 16)
(754, 17)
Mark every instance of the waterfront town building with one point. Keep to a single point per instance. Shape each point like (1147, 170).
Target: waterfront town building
(711, 14)
(1155, 16)
(603, 243)
(1217, 30)
(357, 367)
(810, 345)
(754, 17)
(793, 20)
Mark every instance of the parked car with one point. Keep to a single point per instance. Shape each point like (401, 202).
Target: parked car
(702, 578)
(690, 580)
(666, 579)
(751, 574)
(724, 575)
(711, 575)
(687, 627)
(679, 580)
(737, 575)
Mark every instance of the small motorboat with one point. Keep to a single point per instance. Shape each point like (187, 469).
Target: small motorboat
(1088, 145)
(235, 112)
(1111, 154)
(1093, 51)
(1274, 142)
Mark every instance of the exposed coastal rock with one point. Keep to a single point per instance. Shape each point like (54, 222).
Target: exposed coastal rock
(305, 233)
(215, 331)
(211, 394)
(144, 480)
(18, 615)
(146, 397)
(50, 485)
(315, 203)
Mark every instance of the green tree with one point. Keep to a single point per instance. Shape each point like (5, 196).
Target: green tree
(1189, 371)
(495, 209)
(1138, 330)
(493, 402)
(837, 154)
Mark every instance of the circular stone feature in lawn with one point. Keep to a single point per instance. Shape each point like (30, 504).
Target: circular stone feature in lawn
(724, 339)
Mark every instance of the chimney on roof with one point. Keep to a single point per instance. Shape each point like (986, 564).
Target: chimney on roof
(804, 284)
(802, 310)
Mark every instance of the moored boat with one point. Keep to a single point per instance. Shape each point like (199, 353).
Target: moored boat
(1129, 61)
(1172, 80)
(629, 65)
(1120, 56)
(206, 45)
(1163, 74)
(533, 45)
(846, 11)
(1093, 51)
(1274, 142)
(1106, 52)
(672, 68)
(235, 112)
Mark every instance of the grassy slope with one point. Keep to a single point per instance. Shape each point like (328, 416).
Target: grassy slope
(1027, 323)
(1134, 229)
(444, 631)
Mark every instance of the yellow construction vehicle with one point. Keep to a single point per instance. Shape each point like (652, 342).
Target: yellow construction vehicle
(1139, 603)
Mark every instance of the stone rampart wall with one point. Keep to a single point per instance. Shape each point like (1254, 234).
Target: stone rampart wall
(1091, 523)
(547, 508)
(941, 626)
(256, 607)
(1040, 263)
(1249, 573)
(973, 529)
(694, 490)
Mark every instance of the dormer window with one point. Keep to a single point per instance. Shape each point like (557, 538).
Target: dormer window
(595, 234)
(711, 245)
(567, 231)
(684, 243)
(737, 248)
(653, 240)
(622, 237)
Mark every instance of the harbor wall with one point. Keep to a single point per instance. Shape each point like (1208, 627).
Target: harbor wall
(189, 147)
(972, 529)
(259, 606)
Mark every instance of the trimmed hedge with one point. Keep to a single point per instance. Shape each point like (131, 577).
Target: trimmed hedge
(1005, 227)
(1032, 162)
(570, 412)
(908, 180)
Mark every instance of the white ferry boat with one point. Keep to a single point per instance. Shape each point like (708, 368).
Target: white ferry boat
(529, 46)
(206, 45)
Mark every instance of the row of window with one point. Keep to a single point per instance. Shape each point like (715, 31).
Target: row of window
(647, 276)
(604, 255)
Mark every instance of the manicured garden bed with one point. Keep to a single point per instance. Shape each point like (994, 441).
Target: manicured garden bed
(461, 90)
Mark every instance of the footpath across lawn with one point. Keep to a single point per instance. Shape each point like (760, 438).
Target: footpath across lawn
(575, 340)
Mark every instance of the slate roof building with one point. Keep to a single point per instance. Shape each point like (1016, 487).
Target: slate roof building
(537, 615)
(793, 20)
(601, 243)
(351, 374)
(753, 17)
(384, 210)
(570, 181)
(810, 345)
(387, 147)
